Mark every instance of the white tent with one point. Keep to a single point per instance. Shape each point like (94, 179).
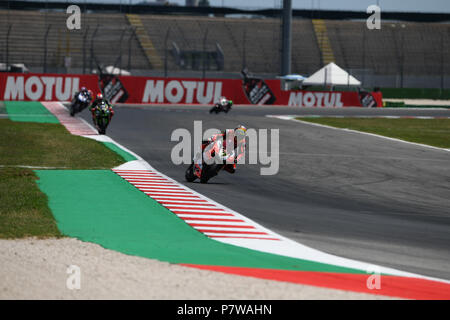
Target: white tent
(331, 75)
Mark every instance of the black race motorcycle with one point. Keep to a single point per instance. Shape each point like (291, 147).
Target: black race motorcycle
(219, 108)
(79, 102)
(102, 114)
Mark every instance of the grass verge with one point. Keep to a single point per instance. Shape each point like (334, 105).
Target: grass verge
(51, 145)
(433, 132)
(23, 207)
(24, 211)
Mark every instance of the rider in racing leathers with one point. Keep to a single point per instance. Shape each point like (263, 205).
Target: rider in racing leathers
(222, 105)
(235, 137)
(86, 92)
(98, 100)
(225, 103)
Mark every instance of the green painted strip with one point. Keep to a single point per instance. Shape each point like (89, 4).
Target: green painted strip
(29, 111)
(98, 206)
(124, 154)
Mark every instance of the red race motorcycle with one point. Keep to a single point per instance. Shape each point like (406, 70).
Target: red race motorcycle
(211, 161)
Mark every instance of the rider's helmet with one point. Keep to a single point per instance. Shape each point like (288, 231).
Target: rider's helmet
(83, 89)
(223, 101)
(239, 134)
(240, 130)
(99, 96)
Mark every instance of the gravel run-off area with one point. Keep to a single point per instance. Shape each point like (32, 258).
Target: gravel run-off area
(38, 269)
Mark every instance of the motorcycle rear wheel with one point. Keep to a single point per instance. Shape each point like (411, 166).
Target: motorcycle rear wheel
(210, 171)
(189, 175)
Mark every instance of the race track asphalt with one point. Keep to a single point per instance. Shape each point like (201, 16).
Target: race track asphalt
(344, 193)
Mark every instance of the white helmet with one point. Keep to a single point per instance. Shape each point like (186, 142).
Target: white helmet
(223, 101)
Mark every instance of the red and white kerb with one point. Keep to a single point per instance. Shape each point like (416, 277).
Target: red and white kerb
(209, 218)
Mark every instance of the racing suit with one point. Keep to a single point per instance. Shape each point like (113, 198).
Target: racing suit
(98, 102)
(84, 92)
(228, 105)
(225, 138)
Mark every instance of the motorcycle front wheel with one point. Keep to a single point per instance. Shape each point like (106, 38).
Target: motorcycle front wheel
(102, 124)
(72, 109)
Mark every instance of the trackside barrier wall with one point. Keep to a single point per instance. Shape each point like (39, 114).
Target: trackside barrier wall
(149, 90)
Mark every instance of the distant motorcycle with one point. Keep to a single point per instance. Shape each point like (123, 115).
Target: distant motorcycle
(223, 105)
(80, 102)
(102, 116)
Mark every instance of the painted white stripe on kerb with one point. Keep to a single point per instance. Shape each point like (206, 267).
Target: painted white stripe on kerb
(197, 210)
(229, 227)
(153, 187)
(156, 185)
(173, 193)
(188, 202)
(176, 197)
(196, 216)
(151, 184)
(240, 235)
(146, 180)
(185, 205)
(207, 222)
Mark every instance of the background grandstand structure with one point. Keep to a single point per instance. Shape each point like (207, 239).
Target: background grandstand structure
(401, 54)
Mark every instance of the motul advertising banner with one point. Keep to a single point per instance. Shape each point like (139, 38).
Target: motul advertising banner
(178, 91)
(43, 87)
(146, 90)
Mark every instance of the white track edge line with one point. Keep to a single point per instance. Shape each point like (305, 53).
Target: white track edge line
(293, 118)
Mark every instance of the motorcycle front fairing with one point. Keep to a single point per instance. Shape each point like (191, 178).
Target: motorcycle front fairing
(82, 97)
